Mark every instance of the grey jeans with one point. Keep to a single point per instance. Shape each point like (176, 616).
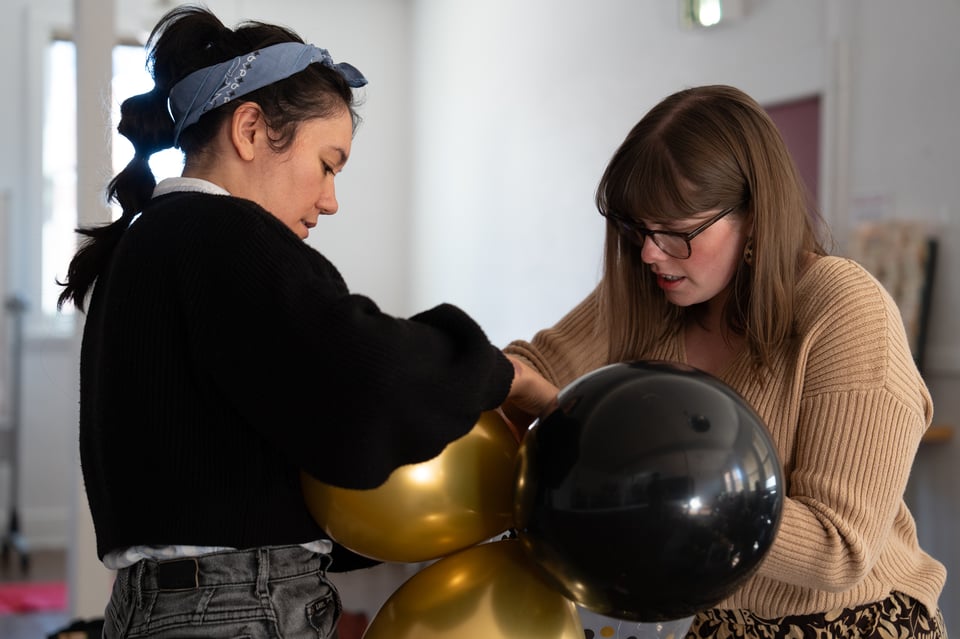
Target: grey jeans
(278, 592)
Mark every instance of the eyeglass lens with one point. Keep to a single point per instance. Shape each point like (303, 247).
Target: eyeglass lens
(672, 245)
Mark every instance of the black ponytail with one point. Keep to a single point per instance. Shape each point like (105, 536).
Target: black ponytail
(146, 122)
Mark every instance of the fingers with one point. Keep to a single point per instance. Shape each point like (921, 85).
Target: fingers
(531, 395)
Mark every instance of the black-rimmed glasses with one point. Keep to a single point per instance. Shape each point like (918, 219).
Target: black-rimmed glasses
(673, 243)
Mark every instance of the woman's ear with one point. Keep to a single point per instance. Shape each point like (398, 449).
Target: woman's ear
(246, 126)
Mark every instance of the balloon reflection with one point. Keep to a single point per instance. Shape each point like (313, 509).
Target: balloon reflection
(490, 591)
(652, 492)
(428, 510)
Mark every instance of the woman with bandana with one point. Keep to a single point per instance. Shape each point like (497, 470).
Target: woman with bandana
(712, 259)
(222, 355)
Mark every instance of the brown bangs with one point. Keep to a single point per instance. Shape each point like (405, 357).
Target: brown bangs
(650, 177)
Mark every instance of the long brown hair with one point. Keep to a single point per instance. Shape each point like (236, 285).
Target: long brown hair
(699, 149)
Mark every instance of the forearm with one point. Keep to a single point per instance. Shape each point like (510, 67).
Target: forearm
(846, 490)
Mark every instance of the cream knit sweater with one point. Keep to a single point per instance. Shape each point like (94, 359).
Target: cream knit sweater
(846, 408)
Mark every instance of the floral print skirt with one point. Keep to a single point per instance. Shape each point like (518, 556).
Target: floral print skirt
(896, 617)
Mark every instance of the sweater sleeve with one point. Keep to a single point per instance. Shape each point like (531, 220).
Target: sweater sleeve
(863, 409)
(348, 392)
(574, 346)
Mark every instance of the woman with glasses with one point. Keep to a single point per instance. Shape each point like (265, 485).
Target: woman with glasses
(222, 355)
(713, 258)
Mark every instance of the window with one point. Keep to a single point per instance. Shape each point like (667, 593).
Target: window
(59, 172)
(58, 237)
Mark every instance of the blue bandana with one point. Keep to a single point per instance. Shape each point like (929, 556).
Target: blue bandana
(214, 86)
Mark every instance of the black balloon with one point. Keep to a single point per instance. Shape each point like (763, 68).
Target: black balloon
(650, 493)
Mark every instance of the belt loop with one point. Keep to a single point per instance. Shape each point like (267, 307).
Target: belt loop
(122, 586)
(325, 561)
(138, 582)
(263, 571)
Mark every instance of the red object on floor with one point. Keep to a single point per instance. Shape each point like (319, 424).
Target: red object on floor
(352, 625)
(33, 597)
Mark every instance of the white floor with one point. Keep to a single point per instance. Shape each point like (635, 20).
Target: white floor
(366, 590)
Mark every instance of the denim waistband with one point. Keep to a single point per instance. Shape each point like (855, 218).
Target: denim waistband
(231, 567)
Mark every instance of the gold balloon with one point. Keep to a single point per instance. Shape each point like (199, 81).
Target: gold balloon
(424, 511)
(489, 591)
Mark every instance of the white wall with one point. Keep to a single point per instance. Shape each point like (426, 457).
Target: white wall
(905, 136)
(476, 185)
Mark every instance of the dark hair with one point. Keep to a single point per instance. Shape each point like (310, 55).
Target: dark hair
(699, 149)
(186, 39)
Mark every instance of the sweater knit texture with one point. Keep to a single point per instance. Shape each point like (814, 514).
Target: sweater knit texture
(846, 408)
(222, 356)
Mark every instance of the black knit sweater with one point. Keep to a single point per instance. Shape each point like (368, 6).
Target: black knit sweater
(221, 355)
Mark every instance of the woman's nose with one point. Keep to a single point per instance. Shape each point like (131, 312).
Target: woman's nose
(327, 203)
(650, 252)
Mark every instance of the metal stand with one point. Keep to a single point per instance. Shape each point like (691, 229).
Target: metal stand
(13, 541)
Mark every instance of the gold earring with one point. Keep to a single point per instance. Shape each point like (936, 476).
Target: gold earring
(748, 252)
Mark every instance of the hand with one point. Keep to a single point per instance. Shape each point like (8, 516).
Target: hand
(531, 396)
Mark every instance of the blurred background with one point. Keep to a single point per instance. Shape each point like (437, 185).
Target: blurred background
(486, 128)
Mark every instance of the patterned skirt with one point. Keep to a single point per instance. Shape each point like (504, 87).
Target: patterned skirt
(896, 617)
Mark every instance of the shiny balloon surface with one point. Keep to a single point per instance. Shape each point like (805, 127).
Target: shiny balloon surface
(427, 510)
(488, 591)
(652, 491)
